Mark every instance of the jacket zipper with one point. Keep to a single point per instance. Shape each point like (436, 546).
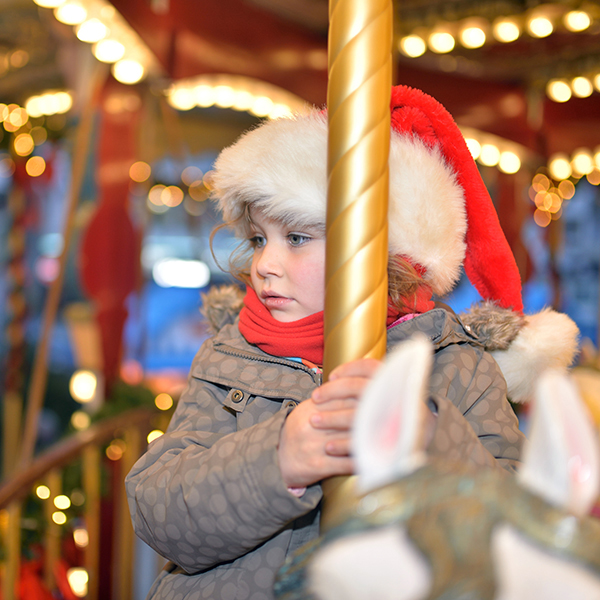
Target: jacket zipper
(316, 377)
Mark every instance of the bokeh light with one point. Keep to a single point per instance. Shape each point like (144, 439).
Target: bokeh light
(506, 30)
(577, 20)
(163, 401)
(78, 581)
(62, 502)
(59, 517)
(128, 71)
(413, 46)
(109, 51)
(42, 492)
(70, 13)
(490, 155)
(559, 166)
(582, 87)
(472, 37)
(509, 162)
(441, 42)
(35, 166)
(80, 420)
(154, 435)
(140, 171)
(83, 385)
(558, 90)
(540, 26)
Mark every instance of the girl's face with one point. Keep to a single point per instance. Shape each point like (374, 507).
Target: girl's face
(288, 268)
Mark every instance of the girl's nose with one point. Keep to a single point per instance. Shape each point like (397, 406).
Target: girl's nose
(268, 261)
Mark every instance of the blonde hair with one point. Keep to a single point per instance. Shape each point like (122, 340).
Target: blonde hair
(404, 281)
(238, 263)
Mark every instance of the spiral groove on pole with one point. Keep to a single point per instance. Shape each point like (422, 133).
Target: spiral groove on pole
(358, 99)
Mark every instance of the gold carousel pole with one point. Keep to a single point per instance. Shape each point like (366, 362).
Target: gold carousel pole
(358, 99)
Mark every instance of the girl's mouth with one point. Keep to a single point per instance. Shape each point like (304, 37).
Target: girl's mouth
(273, 301)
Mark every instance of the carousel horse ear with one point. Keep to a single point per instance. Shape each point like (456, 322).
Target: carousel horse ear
(561, 460)
(388, 431)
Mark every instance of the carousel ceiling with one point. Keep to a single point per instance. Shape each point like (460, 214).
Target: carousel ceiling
(496, 86)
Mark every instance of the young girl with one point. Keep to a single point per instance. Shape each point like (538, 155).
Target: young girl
(233, 487)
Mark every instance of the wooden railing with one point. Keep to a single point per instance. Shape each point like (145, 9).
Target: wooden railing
(132, 427)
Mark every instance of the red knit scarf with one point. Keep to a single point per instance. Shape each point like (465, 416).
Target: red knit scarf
(302, 338)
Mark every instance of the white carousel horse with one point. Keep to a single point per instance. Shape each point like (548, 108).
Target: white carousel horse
(425, 530)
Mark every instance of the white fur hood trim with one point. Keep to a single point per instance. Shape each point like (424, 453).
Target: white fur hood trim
(548, 340)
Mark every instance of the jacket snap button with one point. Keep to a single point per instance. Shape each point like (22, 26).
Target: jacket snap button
(237, 396)
(291, 403)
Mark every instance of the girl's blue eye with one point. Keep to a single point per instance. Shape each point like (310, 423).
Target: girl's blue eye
(297, 239)
(257, 241)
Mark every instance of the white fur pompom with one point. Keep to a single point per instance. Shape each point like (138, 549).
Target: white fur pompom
(548, 340)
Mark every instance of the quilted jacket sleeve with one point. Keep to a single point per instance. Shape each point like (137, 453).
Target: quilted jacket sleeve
(204, 493)
(475, 422)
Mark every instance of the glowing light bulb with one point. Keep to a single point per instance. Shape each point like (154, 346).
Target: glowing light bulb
(62, 502)
(472, 37)
(92, 31)
(83, 385)
(205, 95)
(474, 147)
(128, 71)
(224, 96)
(243, 100)
(577, 20)
(78, 581)
(153, 435)
(182, 99)
(70, 13)
(108, 51)
(509, 162)
(506, 30)
(559, 166)
(413, 46)
(441, 42)
(64, 102)
(582, 161)
(59, 517)
(81, 537)
(262, 106)
(582, 87)
(42, 492)
(540, 26)
(558, 90)
(490, 155)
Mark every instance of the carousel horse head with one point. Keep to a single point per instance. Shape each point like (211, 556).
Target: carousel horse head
(419, 529)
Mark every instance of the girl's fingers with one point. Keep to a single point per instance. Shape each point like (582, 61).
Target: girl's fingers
(343, 388)
(337, 420)
(337, 404)
(339, 447)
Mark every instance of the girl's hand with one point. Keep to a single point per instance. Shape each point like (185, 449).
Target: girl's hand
(315, 440)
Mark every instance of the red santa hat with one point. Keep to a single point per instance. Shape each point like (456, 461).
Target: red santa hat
(441, 216)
